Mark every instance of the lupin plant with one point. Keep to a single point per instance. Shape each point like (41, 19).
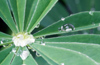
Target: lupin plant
(24, 48)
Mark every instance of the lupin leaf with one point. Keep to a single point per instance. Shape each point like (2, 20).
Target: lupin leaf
(18, 9)
(43, 7)
(3, 35)
(80, 21)
(82, 38)
(5, 14)
(56, 13)
(62, 55)
(91, 50)
(18, 61)
(31, 7)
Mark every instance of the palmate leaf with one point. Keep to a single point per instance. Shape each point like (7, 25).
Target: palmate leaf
(80, 21)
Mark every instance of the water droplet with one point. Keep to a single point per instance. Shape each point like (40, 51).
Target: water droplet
(14, 50)
(37, 25)
(98, 28)
(1, 42)
(29, 47)
(93, 23)
(67, 27)
(91, 12)
(62, 64)
(33, 50)
(62, 19)
(38, 55)
(42, 43)
(85, 32)
(99, 24)
(24, 55)
(23, 64)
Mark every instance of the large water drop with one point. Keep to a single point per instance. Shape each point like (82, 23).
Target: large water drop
(24, 55)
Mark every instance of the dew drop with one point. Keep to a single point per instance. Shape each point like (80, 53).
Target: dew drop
(1, 42)
(85, 32)
(67, 27)
(98, 28)
(62, 64)
(62, 19)
(37, 25)
(24, 55)
(14, 50)
(91, 12)
(42, 43)
(29, 47)
(23, 64)
(37, 54)
(33, 50)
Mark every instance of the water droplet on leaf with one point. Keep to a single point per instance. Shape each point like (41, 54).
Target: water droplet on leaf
(24, 55)
(14, 50)
(67, 27)
(91, 12)
(37, 25)
(42, 43)
(37, 54)
(62, 19)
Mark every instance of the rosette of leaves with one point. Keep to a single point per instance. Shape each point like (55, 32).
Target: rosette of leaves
(23, 16)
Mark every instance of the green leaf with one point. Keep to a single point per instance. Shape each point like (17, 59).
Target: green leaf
(62, 55)
(4, 54)
(6, 15)
(31, 6)
(80, 21)
(18, 61)
(3, 35)
(41, 61)
(50, 61)
(91, 50)
(79, 5)
(82, 38)
(40, 13)
(56, 13)
(18, 8)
